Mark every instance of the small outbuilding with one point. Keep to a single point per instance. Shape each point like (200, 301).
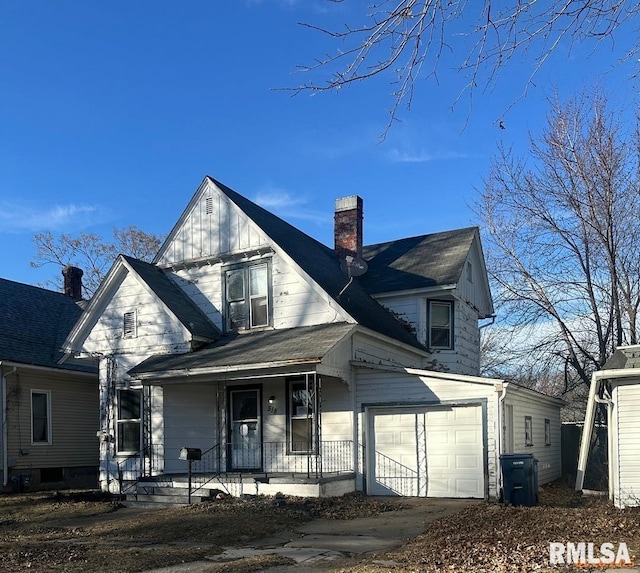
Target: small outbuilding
(617, 389)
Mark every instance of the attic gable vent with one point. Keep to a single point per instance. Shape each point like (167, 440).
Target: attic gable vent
(209, 205)
(129, 325)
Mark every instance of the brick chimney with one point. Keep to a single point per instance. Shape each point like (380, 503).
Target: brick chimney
(73, 282)
(347, 229)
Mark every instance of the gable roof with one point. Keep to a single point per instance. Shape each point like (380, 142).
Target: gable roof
(323, 266)
(178, 302)
(34, 323)
(300, 345)
(432, 260)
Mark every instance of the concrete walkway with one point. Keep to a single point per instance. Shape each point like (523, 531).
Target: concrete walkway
(321, 544)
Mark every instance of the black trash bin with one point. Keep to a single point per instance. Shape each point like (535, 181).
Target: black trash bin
(519, 479)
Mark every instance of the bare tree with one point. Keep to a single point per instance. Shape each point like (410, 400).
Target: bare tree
(410, 39)
(91, 253)
(562, 237)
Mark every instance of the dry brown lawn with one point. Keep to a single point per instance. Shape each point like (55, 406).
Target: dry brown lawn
(86, 532)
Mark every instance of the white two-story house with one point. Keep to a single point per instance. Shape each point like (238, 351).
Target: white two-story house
(258, 360)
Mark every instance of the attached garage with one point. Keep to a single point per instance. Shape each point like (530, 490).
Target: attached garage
(427, 451)
(437, 434)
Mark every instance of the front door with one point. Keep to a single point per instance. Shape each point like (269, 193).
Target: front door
(245, 427)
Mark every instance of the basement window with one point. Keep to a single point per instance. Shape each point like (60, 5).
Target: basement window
(129, 325)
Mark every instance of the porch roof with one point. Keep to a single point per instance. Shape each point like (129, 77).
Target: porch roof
(251, 350)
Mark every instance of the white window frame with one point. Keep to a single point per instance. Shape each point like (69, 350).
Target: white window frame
(528, 431)
(246, 269)
(547, 432)
(309, 415)
(120, 422)
(451, 306)
(48, 441)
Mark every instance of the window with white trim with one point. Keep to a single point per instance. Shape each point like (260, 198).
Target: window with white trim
(247, 296)
(528, 431)
(40, 417)
(547, 432)
(301, 417)
(440, 321)
(128, 427)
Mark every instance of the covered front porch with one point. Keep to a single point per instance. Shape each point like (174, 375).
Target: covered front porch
(250, 426)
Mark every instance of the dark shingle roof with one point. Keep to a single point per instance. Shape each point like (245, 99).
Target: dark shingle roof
(323, 266)
(292, 345)
(185, 310)
(34, 323)
(418, 262)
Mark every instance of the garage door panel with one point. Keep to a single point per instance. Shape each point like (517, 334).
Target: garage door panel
(427, 451)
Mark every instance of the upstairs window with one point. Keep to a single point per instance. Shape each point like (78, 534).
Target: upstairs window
(247, 295)
(440, 314)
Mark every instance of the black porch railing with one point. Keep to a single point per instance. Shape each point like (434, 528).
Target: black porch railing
(332, 457)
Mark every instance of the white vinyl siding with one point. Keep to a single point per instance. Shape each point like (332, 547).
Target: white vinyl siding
(626, 430)
(73, 420)
(526, 403)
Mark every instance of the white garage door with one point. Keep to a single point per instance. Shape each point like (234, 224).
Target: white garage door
(426, 451)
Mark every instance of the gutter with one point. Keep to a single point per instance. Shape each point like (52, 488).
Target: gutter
(5, 430)
(597, 379)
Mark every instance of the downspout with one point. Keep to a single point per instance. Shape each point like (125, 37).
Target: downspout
(609, 406)
(502, 388)
(5, 430)
(596, 381)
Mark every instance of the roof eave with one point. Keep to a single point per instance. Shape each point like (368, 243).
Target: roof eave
(213, 371)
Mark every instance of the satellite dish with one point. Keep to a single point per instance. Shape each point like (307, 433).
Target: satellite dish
(353, 266)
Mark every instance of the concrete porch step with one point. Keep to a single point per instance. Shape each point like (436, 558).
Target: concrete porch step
(161, 497)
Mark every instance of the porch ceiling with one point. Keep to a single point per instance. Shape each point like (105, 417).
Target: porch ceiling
(248, 351)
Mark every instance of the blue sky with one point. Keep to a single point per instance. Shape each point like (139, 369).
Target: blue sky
(111, 114)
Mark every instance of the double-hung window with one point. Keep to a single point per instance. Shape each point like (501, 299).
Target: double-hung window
(128, 422)
(40, 417)
(301, 417)
(247, 300)
(440, 320)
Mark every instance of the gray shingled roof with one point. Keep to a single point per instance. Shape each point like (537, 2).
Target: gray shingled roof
(418, 262)
(292, 345)
(185, 310)
(323, 266)
(34, 323)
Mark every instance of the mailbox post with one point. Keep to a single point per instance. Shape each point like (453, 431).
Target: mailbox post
(191, 455)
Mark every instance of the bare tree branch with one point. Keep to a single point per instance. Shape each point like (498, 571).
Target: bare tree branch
(407, 39)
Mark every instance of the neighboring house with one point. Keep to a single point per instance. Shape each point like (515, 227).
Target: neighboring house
(298, 368)
(617, 389)
(48, 410)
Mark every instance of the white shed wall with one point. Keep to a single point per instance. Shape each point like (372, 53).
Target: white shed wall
(626, 428)
(538, 408)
